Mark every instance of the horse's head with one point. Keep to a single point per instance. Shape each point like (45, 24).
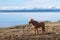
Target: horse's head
(30, 21)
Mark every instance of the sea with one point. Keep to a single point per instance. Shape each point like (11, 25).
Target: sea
(8, 19)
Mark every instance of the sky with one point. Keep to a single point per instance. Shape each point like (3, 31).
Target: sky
(12, 19)
(20, 4)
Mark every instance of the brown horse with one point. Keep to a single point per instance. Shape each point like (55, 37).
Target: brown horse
(37, 25)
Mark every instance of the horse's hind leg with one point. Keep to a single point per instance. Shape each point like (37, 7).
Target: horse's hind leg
(43, 29)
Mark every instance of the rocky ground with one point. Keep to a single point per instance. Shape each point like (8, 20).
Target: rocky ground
(25, 32)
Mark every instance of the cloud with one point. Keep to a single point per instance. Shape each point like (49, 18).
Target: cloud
(29, 4)
(39, 3)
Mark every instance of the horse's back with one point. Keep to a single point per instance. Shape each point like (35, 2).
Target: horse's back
(42, 23)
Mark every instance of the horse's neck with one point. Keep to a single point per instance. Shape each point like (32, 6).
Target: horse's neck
(35, 22)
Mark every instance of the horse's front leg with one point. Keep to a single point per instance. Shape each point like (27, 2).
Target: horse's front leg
(35, 31)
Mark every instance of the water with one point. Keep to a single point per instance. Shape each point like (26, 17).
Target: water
(8, 19)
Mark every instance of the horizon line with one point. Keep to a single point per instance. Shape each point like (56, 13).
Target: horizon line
(32, 10)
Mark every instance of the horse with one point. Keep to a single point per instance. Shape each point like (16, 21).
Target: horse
(37, 25)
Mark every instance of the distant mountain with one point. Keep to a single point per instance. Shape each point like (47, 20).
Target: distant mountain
(32, 10)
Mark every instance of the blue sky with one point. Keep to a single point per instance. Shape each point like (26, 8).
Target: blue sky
(6, 4)
(11, 19)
